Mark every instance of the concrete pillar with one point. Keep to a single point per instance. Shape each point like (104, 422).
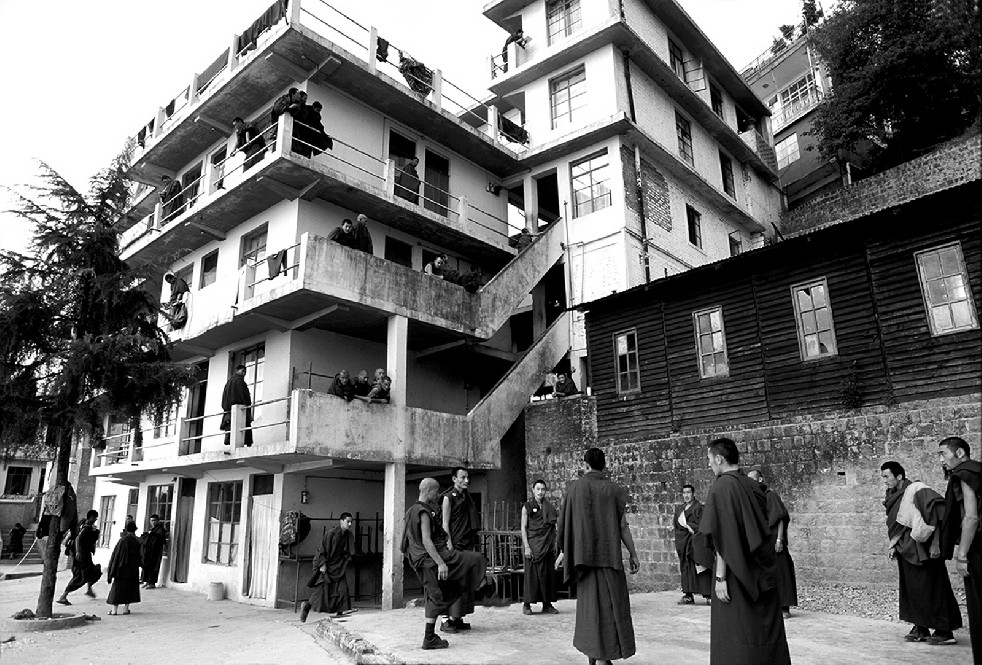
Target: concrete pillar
(233, 54)
(530, 192)
(238, 421)
(193, 90)
(394, 509)
(438, 88)
(538, 310)
(372, 49)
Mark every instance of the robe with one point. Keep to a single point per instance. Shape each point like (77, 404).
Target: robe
(465, 570)
(236, 392)
(407, 184)
(750, 628)
(589, 534)
(685, 543)
(787, 581)
(926, 598)
(464, 525)
(153, 542)
(540, 576)
(329, 592)
(338, 389)
(252, 143)
(968, 472)
(347, 239)
(124, 571)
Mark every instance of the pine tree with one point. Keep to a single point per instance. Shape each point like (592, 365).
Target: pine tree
(81, 337)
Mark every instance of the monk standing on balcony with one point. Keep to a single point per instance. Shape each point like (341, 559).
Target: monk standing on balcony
(236, 392)
(407, 181)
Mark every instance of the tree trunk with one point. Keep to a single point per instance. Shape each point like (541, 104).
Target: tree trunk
(51, 549)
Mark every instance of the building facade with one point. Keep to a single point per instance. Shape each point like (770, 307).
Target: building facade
(627, 160)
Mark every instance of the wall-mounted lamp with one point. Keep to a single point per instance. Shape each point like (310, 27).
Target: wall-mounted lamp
(493, 188)
(304, 496)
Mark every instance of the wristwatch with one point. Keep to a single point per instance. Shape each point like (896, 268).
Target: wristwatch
(720, 579)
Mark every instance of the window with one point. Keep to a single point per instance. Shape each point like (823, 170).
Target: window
(787, 151)
(695, 225)
(590, 190)
(191, 183)
(736, 245)
(107, 505)
(254, 359)
(167, 426)
(209, 269)
(398, 251)
(18, 481)
(436, 183)
(224, 514)
(132, 503)
(253, 246)
(684, 131)
(676, 60)
(711, 343)
(813, 317)
(628, 371)
(947, 294)
(562, 19)
(262, 484)
(160, 499)
(716, 100)
(567, 95)
(726, 169)
(218, 168)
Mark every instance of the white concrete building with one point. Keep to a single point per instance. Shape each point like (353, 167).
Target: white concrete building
(592, 106)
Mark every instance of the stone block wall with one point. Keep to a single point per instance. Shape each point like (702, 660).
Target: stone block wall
(825, 466)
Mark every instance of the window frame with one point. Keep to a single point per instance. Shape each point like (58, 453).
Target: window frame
(693, 220)
(203, 280)
(716, 101)
(736, 245)
(966, 283)
(676, 60)
(216, 503)
(683, 132)
(797, 151)
(561, 13)
(726, 174)
(252, 377)
(23, 476)
(107, 506)
(160, 501)
(607, 198)
(799, 328)
(627, 334)
(698, 334)
(247, 239)
(568, 117)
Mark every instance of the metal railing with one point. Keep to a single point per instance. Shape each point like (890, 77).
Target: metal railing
(797, 109)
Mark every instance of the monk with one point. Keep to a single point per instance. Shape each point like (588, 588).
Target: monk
(960, 539)
(236, 392)
(592, 525)
(329, 582)
(460, 520)
(778, 519)
(539, 540)
(152, 544)
(914, 513)
(746, 623)
(444, 572)
(695, 577)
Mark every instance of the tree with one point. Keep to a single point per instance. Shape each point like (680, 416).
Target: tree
(905, 76)
(81, 338)
(811, 12)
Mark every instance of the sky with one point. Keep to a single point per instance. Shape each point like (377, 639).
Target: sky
(78, 78)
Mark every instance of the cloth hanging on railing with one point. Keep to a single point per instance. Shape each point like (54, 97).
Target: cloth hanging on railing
(382, 49)
(269, 18)
(276, 263)
(512, 130)
(417, 75)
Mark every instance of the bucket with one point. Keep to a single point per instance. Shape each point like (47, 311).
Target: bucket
(216, 591)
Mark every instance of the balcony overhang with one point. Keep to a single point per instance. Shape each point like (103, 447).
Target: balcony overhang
(579, 139)
(500, 11)
(285, 175)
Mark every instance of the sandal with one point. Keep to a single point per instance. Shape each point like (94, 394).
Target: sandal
(686, 600)
(112, 614)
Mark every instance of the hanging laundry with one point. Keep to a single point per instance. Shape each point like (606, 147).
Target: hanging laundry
(512, 130)
(417, 75)
(382, 50)
(269, 18)
(276, 264)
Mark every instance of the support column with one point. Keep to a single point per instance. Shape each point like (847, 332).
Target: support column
(394, 509)
(539, 324)
(530, 193)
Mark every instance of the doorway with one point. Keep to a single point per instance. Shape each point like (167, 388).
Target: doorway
(191, 442)
(181, 535)
(436, 189)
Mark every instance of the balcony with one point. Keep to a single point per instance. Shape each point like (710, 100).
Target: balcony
(797, 109)
(231, 192)
(304, 44)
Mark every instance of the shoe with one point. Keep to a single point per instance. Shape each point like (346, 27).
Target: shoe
(304, 611)
(526, 609)
(787, 615)
(63, 601)
(151, 586)
(916, 634)
(549, 609)
(435, 642)
(460, 624)
(686, 600)
(90, 593)
(941, 639)
(447, 627)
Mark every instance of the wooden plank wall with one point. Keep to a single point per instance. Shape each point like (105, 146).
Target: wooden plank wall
(881, 328)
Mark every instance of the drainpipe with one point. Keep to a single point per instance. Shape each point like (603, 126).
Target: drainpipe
(627, 81)
(639, 186)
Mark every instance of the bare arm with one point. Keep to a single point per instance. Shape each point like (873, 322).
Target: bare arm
(970, 524)
(779, 545)
(446, 521)
(722, 592)
(424, 527)
(628, 541)
(525, 532)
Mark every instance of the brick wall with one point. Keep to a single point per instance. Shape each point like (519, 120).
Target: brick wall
(826, 467)
(957, 162)
(657, 209)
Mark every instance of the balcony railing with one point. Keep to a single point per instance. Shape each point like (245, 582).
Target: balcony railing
(797, 109)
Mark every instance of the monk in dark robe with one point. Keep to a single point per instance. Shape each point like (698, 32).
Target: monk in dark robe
(592, 525)
(914, 515)
(153, 542)
(778, 519)
(539, 539)
(342, 386)
(171, 198)
(444, 572)
(696, 577)
(236, 392)
(329, 582)
(407, 181)
(746, 624)
(459, 518)
(124, 572)
(250, 141)
(960, 539)
(345, 235)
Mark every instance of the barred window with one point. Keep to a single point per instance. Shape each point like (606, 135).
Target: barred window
(224, 518)
(567, 96)
(684, 131)
(947, 293)
(695, 225)
(813, 317)
(711, 343)
(676, 60)
(628, 369)
(590, 189)
(562, 19)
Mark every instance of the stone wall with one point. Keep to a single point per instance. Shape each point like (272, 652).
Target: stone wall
(826, 467)
(955, 163)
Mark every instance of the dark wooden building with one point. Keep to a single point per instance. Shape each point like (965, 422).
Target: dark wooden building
(875, 311)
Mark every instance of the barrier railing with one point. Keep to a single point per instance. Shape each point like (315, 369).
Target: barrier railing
(797, 109)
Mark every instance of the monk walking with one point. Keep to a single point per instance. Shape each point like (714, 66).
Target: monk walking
(696, 578)
(329, 583)
(460, 519)
(539, 539)
(778, 519)
(592, 526)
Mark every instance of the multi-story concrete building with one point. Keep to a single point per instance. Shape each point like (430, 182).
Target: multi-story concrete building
(629, 144)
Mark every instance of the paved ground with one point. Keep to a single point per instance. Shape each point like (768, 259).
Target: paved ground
(187, 629)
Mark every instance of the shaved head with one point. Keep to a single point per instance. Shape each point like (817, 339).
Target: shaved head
(429, 489)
